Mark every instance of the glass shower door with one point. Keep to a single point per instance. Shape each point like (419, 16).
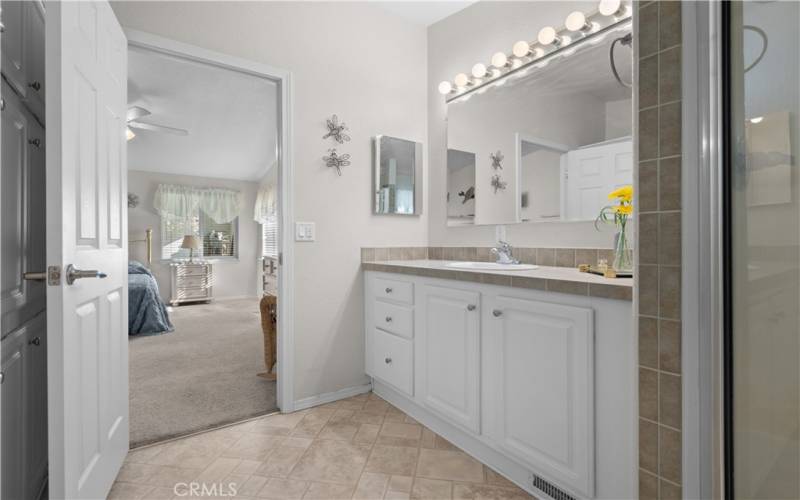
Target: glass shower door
(761, 77)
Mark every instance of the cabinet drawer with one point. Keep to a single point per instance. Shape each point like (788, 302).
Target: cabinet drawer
(399, 291)
(192, 281)
(394, 318)
(191, 293)
(192, 271)
(392, 360)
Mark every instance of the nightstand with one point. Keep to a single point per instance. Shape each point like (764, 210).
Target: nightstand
(191, 282)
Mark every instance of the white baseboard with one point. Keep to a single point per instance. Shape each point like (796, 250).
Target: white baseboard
(329, 397)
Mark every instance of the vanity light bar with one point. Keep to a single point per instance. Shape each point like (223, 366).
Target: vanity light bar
(550, 42)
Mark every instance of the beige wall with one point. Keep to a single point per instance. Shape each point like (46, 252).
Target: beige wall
(367, 66)
(454, 45)
(232, 278)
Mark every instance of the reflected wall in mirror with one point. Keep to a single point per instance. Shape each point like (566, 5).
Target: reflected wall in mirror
(397, 171)
(566, 126)
(460, 187)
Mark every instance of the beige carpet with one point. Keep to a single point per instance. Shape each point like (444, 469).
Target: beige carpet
(201, 375)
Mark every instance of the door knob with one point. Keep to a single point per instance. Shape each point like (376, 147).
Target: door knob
(37, 143)
(388, 360)
(388, 319)
(497, 313)
(76, 274)
(35, 276)
(36, 341)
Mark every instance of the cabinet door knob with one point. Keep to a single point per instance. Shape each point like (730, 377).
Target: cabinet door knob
(35, 142)
(35, 86)
(471, 307)
(388, 290)
(36, 341)
(388, 319)
(497, 313)
(388, 360)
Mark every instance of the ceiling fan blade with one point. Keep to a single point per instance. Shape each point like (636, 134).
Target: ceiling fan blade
(158, 128)
(136, 112)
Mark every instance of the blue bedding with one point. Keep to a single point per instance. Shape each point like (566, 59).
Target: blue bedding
(147, 315)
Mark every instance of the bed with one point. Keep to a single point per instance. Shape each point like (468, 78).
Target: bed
(147, 314)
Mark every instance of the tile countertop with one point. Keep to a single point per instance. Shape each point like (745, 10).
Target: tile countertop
(553, 279)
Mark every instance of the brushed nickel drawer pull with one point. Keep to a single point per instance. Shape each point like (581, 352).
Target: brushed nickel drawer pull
(388, 290)
(471, 307)
(497, 313)
(388, 319)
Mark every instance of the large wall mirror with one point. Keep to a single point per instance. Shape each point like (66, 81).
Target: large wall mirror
(546, 144)
(398, 176)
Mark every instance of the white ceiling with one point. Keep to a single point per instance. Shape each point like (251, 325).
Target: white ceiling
(231, 118)
(425, 13)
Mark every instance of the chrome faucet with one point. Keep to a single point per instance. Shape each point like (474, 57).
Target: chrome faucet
(503, 251)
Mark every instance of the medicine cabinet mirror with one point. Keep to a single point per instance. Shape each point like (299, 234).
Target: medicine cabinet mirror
(397, 167)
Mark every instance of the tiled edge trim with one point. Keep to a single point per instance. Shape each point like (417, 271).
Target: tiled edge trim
(558, 257)
(659, 259)
(600, 290)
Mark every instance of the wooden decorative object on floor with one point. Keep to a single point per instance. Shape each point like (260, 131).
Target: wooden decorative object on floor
(269, 316)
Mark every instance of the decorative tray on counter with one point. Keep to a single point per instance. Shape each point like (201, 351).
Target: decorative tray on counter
(606, 271)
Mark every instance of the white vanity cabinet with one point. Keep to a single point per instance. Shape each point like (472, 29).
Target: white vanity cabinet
(448, 353)
(538, 385)
(540, 360)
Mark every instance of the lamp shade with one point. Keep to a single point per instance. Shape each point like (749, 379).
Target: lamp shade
(190, 241)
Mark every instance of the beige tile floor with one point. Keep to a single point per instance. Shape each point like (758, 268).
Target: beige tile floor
(361, 448)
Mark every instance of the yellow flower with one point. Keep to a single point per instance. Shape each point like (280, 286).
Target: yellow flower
(625, 193)
(623, 209)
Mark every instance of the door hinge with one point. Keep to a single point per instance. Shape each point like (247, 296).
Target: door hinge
(280, 258)
(54, 275)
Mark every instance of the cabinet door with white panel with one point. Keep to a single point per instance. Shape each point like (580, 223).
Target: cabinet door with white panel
(448, 353)
(539, 357)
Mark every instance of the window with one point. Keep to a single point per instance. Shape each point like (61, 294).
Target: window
(219, 240)
(269, 233)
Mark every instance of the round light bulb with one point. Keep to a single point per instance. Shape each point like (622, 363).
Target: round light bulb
(521, 48)
(547, 35)
(461, 79)
(479, 70)
(576, 21)
(609, 7)
(499, 60)
(445, 87)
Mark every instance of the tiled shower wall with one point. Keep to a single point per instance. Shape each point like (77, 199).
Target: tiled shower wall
(659, 271)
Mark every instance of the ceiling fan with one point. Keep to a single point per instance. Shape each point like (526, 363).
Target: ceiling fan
(137, 112)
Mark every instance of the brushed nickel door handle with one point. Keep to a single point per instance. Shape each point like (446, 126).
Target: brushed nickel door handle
(76, 274)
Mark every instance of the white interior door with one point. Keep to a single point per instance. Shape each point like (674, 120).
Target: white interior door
(86, 60)
(592, 173)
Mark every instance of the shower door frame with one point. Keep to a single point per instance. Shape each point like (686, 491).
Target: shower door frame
(703, 251)
(283, 79)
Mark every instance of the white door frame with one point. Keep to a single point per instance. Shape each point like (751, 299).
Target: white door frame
(701, 290)
(283, 79)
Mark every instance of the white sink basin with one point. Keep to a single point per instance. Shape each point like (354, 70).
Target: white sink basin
(491, 266)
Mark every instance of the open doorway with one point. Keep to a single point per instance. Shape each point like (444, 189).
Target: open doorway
(203, 223)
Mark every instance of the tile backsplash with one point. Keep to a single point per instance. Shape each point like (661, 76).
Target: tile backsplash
(559, 257)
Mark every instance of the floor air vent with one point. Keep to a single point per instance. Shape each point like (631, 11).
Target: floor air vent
(549, 489)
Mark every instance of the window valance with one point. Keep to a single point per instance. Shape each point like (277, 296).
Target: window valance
(222, 205)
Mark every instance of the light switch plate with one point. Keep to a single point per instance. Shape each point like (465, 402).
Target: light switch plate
(305, 231)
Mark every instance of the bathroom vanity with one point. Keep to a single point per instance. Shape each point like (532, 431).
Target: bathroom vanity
(532, 372)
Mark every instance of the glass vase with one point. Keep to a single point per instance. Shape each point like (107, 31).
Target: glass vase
(623, 253)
